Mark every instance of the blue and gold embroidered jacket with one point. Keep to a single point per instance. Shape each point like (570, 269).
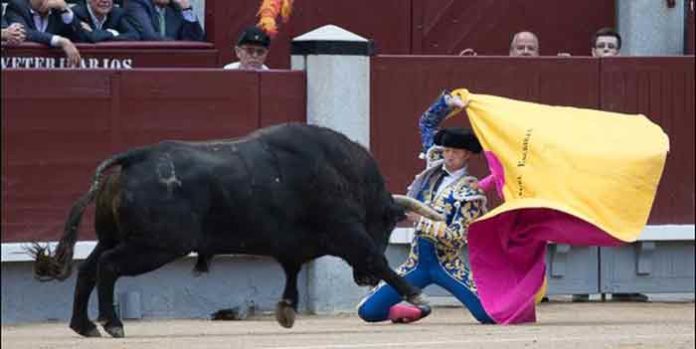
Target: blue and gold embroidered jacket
(461, 202)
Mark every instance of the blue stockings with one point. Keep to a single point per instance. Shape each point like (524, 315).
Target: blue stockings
(375, 307)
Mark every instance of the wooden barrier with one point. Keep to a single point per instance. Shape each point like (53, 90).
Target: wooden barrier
(662, 89)
(57, 125)
(115, 55)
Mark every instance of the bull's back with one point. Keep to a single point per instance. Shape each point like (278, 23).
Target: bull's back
(320, 147)
(238, 195)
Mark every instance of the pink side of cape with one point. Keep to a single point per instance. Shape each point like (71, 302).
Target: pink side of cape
(497, 176)
(507, 255)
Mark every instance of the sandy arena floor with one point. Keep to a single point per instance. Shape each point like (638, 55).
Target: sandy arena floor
(561, 325)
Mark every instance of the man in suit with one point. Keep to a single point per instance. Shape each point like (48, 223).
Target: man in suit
(101, 21)
(12, 34)
(49, 22)
(158, 20)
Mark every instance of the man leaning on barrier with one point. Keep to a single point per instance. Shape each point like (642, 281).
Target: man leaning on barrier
(49, 22)
(12, 34)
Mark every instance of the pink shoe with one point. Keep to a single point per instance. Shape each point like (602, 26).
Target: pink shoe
(406, 313)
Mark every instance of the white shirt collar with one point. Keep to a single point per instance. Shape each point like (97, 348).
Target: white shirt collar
(448, 180)
(456, 174)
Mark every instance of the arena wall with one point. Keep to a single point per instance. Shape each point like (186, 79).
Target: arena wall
(58, 124)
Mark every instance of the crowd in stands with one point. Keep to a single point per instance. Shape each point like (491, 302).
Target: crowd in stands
(605, 42)
(57, 24)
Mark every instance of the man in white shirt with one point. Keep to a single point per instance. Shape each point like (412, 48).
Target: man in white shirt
(252, 50)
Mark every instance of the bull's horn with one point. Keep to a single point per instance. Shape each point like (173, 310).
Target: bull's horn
(411, 204)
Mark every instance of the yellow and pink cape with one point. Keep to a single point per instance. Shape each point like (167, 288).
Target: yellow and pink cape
(566, 175)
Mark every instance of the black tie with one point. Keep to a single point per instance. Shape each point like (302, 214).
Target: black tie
(439, 181)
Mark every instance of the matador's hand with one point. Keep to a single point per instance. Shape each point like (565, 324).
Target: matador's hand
(455, 101)
(413, 217)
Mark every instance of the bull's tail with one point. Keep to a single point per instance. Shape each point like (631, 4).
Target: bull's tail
(58, 265)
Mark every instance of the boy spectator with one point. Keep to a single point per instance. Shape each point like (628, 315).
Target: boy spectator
(606, 42)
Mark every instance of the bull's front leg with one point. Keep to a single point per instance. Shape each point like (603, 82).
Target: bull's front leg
(370, 265)
(408, 292)
(286, 309)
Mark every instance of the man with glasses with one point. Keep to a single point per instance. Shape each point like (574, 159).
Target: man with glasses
(605, 43)
(252, 50)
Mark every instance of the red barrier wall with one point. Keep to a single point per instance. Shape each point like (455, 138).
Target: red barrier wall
(661, 88)
(58, 125)
(115, 55)
(487, 26)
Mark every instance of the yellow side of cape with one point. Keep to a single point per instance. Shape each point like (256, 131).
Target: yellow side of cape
(601, 167)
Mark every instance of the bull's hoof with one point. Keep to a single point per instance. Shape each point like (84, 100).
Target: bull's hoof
(115, 331)
(285, 314)
(92, 333)
(418, 299)
(89, 330)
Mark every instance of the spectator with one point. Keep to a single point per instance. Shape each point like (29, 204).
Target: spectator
(159, 20)
(251, 49)
(524, 44)
(101, 21)
(12, 34)
(49, 22)
(606, 42)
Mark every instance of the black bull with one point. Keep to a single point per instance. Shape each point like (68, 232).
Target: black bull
(293, 192)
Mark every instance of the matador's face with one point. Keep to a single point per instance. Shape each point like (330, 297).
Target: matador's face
(455, 158)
